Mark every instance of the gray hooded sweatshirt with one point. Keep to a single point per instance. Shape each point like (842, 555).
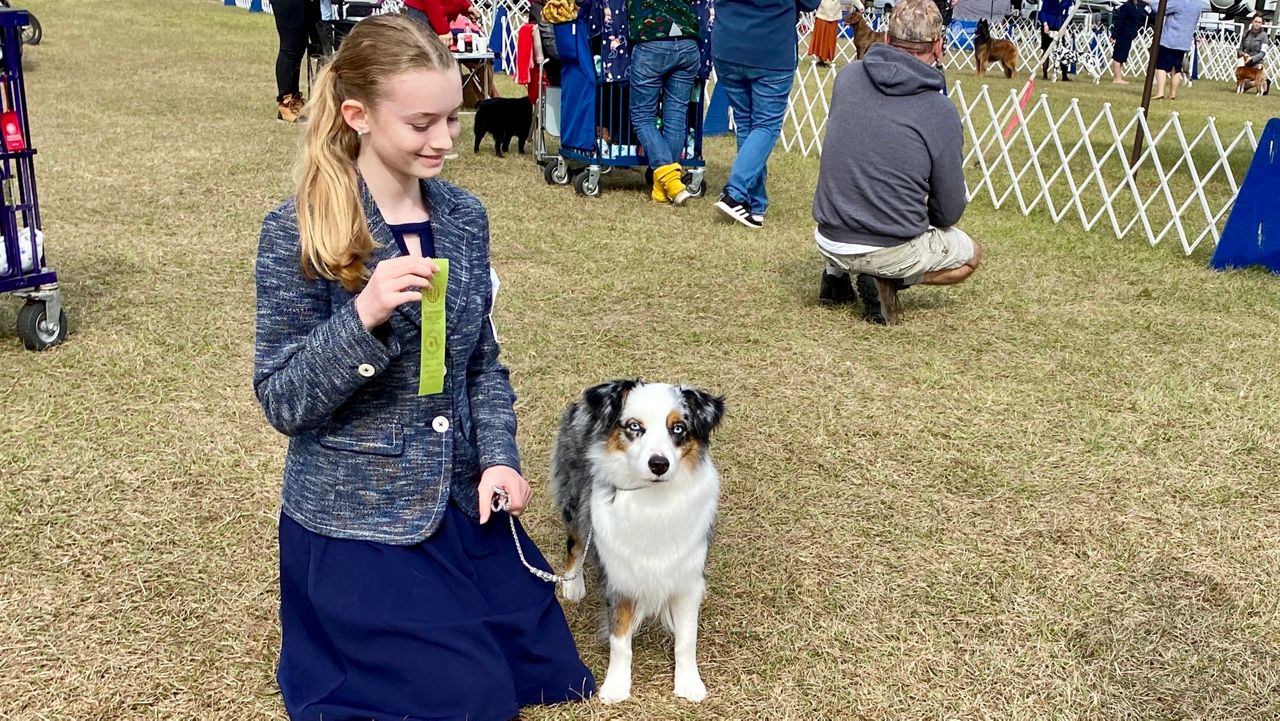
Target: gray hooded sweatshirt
(892, 158)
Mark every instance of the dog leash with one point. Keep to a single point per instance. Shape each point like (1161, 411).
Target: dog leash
(501, 500)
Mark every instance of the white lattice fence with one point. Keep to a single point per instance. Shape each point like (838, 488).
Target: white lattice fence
(1215, 52)
(1074, 166)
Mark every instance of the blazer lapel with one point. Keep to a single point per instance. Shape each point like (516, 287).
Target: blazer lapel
(384, 243)
(452, 243)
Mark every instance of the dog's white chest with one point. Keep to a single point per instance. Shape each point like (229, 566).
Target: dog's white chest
(653, 542)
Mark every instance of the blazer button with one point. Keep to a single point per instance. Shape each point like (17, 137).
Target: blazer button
(366, 370)
(440, 424)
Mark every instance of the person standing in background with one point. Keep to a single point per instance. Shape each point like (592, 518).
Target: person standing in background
(1125, 23)
(753, 47)
(1180, 20)
(664, 67)
(296, 23)
(1052, 15)
(826, 28)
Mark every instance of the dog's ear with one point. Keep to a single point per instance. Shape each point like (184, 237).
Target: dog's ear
(604, 402)
(705, 411)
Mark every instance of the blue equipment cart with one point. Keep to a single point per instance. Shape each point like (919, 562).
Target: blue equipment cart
(41, 321)
(593, 122)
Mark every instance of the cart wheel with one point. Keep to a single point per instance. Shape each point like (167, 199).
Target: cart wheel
(33, 33)
(696, 187)
(556, 172)
(585, 185)
(34, 329)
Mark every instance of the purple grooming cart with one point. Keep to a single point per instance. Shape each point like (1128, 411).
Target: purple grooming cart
(41, 321)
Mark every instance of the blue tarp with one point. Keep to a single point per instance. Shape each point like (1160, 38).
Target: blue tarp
(577, 86)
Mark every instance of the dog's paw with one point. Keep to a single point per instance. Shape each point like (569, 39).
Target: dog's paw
(691, 689)
(614, 692)
(574, 590)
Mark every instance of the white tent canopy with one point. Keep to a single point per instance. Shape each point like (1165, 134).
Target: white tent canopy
(980, 9)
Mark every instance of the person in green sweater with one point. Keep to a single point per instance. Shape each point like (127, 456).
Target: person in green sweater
(664, 65)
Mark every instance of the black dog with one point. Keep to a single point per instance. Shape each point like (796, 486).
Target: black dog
(504, 119)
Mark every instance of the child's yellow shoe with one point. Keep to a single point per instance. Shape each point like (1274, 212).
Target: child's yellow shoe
(668, 178)
(658, 193)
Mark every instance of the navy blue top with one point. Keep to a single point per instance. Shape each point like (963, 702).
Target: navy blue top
(1127, 20)
(758, 33)
(1054, 12)
(422, 228)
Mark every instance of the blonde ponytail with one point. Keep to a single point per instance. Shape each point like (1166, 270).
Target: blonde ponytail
(336, 240)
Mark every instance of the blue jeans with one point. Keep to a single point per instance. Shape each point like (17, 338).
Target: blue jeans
(669, 68)
(759, 101)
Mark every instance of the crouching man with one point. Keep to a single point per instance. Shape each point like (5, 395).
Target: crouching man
(891, 182)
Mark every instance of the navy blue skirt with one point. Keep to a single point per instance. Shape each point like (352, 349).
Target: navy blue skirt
(449, 629)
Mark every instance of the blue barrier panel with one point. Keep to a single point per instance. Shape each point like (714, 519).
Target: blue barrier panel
(1252, 235)
(717, 118)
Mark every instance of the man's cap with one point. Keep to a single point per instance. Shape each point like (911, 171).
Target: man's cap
(915, 21)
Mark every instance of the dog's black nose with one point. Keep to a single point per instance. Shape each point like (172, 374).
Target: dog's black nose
(658, 465)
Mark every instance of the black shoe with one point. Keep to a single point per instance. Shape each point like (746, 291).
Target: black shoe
(835, 290)
(880, 304)
(737, 211)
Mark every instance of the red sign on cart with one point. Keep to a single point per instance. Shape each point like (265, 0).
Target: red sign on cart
(13, 141)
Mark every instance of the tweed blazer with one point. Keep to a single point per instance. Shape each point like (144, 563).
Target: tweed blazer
(368, 457)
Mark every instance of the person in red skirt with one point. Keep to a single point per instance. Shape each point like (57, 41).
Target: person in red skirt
(826, 28)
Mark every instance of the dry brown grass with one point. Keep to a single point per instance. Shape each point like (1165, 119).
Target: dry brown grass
(1050, 494)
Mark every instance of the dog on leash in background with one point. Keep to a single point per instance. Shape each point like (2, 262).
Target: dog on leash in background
(987, 50)
(633, 480)
(1250, 78)
(504, 119)
(863, 36)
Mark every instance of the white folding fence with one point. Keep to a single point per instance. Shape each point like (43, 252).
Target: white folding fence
(1214, 56)
(1071, 165)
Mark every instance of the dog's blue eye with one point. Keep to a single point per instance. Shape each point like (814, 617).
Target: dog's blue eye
(635, 427)
(677, 429)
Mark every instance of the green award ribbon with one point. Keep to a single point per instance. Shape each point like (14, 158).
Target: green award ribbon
(431, 373)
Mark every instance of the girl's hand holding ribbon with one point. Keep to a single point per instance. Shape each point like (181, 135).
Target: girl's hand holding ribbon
(394, 282)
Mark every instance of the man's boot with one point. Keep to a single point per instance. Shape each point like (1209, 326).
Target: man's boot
(880, 304)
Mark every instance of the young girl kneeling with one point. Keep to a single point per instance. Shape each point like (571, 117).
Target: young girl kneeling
(398, 599)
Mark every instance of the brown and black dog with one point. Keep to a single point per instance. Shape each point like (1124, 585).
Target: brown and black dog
(1250, 78)
(863, 36)
(987, 50)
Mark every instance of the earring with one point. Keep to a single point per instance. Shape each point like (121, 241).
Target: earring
(360, 133)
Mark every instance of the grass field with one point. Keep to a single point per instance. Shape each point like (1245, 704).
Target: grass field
(1051, 493)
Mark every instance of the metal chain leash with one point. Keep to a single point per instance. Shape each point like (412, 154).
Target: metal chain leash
(500, 502)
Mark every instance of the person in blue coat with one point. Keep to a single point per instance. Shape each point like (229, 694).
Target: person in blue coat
(1052, 15)
(1181, 18)
(402, 594)
(1125, 24)
(753, 47)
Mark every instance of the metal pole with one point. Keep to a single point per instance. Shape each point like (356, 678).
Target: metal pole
(1139, 136)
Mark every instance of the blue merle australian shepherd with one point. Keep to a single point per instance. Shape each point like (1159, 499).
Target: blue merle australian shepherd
(632, 475)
